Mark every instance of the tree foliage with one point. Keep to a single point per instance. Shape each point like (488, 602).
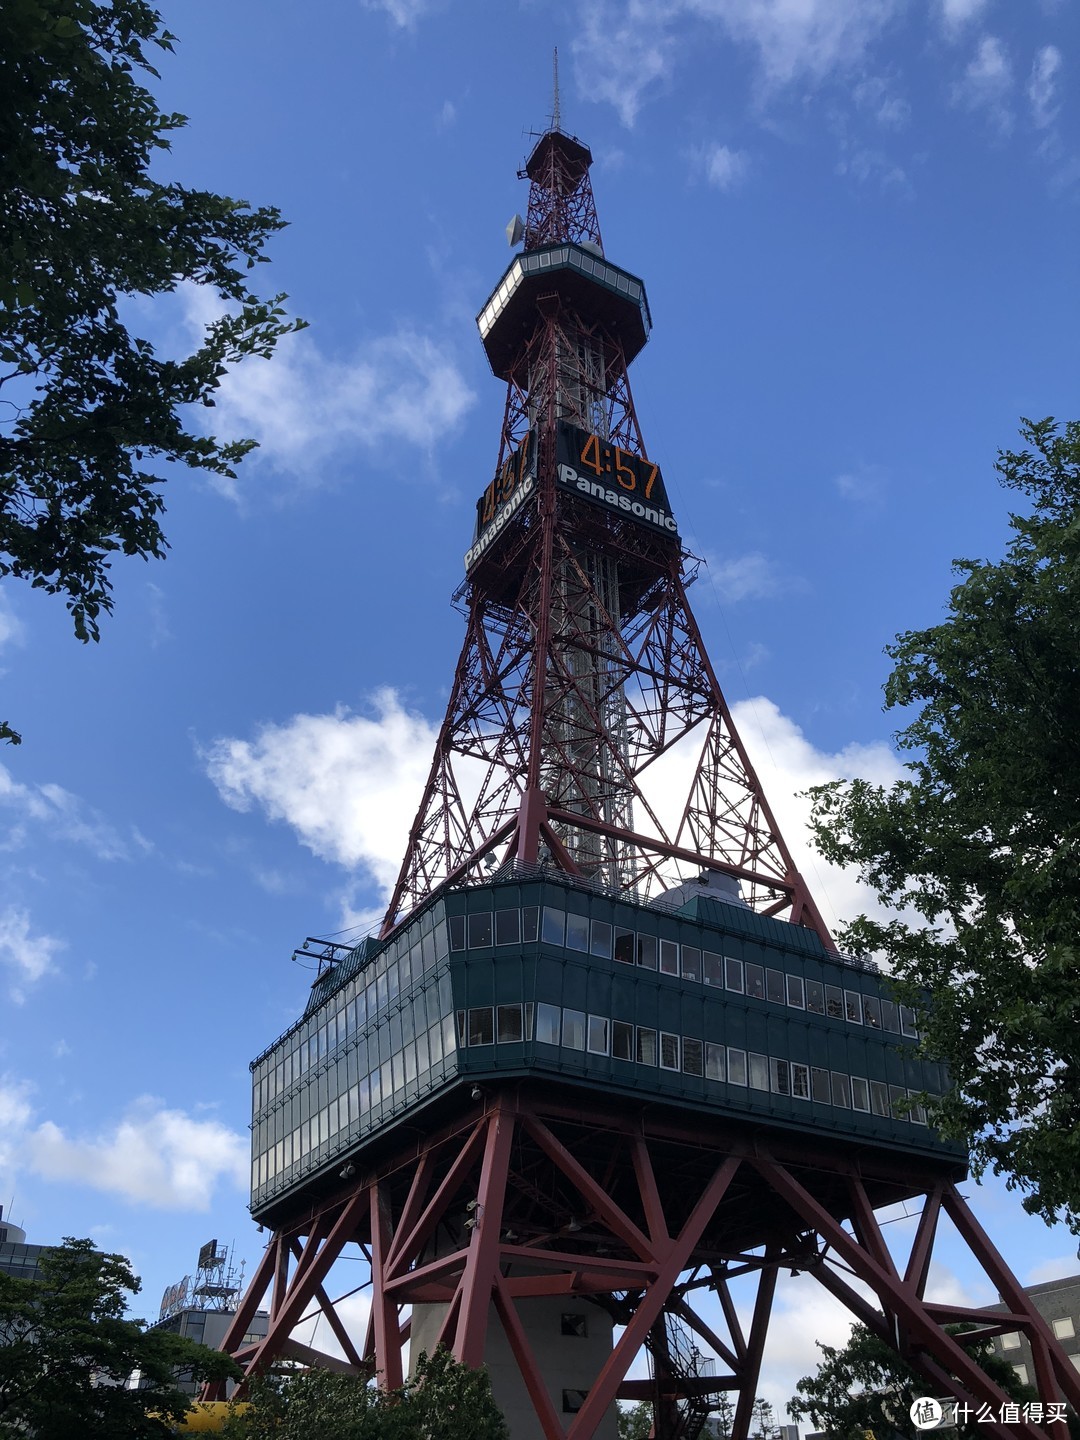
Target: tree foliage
(865, 1386)
(86, 408)
(982, 840)
(443, 1401)
(66, 1353)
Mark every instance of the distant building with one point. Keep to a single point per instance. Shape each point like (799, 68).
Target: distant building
(1058, 1302)
(203, 1309)
(16, 1257)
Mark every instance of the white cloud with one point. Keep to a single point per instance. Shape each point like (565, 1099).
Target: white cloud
(747, 577)
(724, 168)
(15, 1113)
(303, 407)
(12, 630)
(955, 14)
(987, 83)
(787, 764)
(29, 955)
(347, 784)
(1042, 87)
(154, 1156)
(864, 486)
(61, 814)
(793, 40)
(875, 95)
(404, 13)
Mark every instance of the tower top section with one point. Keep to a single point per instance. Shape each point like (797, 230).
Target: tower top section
(561, 204)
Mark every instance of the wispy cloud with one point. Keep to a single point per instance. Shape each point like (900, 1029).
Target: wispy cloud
(27, 955)
(347, 784)
(404, 13)
(864, 485)
(12, 630)
(986, 85)
(956, 14)
(747, 577)
(804, 42)
(1042, 87)
(722, 167)
(60, 814)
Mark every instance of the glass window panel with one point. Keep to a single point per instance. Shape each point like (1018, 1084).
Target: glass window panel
(646, 1046)
(380, 990)
(795, 994)
(890, 1017)
(457, 932)
(646, 951)
(375, 1081)
(480, 929)
(577, 932)
(622, 1040)
(625, 944)
(815, 997)
(917, 1115)
(600, 939)
(599, 1034)
(1011, 1340)
(860, 1094)
(410, 1064)
(548, 1023)
(715, 1066)
(759, 1072)
(435, 1042)
(507, 927)
(841, 1090)
(1064, 1328)
(800, 1081)
(755, 981)
(690, 960)
(461, 1027)
(907, 1022)
(669, 1051)
(693, 1060)
(530, 921)
(898, 1102)
(669, 957)
(774, 987)
(529, 1010)
(780, 1077)
(834, 1002)
(853, 1007)
(397, 1068)
(871, 1009)
(820, 1089)
(423, 1057)
(1022, 1373)
(448, 1035)
(554, 926)
(879, 1097)
(712, 968)
(441, 942)
(510, 1027)
(736, 1066)
(573, 1029)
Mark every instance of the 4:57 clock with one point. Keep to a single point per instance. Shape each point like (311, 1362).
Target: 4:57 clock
(608, 475)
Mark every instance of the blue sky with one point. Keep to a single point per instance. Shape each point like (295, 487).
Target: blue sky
(856, 220)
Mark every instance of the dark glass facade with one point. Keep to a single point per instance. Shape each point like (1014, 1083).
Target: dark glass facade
(712, 1007)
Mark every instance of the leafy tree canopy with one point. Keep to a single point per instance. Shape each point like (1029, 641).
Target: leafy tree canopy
(865, 1386)
(86, 407)
(982, 839)
(443, 1401)
(66, 1353)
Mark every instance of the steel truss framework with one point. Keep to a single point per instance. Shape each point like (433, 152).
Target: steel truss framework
(582, 667)
(644, 1217)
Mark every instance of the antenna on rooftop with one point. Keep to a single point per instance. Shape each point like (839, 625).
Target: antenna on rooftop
(555, 88)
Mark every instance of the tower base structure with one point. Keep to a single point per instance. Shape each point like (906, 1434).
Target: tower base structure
(556, 1114)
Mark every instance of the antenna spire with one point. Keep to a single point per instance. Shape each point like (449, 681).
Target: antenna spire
(555, 117)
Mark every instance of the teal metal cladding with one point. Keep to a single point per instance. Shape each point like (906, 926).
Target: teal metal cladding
(713, 1008)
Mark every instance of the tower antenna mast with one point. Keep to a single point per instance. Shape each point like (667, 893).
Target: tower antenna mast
(555, 116)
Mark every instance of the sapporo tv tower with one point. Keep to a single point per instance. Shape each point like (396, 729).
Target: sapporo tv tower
(603, 1060)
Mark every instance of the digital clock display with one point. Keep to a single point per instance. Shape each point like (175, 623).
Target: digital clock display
(512, 488)
(594, 468)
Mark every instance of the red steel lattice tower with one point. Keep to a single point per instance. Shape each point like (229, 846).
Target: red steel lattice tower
(603, 1066)
(583, 674)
